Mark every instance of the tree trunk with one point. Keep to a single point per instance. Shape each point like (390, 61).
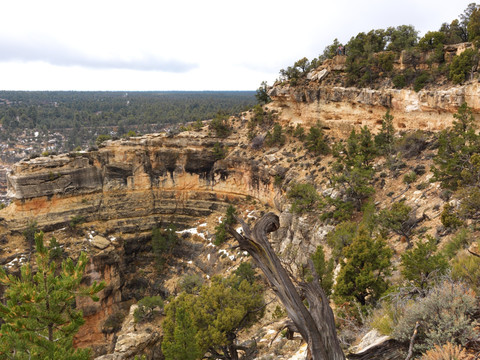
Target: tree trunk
(316, 326)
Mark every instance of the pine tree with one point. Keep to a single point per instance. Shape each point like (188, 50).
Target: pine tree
(212, 319)
(315, 141)
(422, 262)
(39, 317)
(363, 274)
(457, 162)
(324, 269)
(179, 341)
(353, 170)
(221, 230)
(384, 139)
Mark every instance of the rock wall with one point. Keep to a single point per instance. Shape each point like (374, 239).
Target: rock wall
(343, 108)
(133, 184)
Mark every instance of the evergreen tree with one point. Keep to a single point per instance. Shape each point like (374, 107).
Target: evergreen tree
(399, 219)
(457, 162)
(39, 316)
(179, 341)
(262, 93)
(315, 141)
(217, 314)
(221, 229)
(423, 261)
(276, 137)
(163, 243)
(363, 274)
(324, 269)
(384, 139)
(353, 171)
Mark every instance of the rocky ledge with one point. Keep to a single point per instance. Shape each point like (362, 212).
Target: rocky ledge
(133, 184)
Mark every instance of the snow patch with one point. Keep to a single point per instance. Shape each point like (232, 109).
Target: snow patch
(193, 231)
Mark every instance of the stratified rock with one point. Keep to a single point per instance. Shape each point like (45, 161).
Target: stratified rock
(133, 184)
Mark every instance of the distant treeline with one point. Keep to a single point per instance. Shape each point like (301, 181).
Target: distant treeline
(47, 110)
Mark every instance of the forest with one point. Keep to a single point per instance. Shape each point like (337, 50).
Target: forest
(120, 112)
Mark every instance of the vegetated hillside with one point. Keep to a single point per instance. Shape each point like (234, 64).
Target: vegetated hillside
(386, 209)
(397, 57)
(382, 218)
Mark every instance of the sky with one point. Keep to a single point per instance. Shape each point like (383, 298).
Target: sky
(148, 45)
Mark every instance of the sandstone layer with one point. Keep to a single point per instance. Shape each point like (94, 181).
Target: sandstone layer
(133, 184)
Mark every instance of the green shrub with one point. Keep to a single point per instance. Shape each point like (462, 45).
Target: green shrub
(324, 269)
(384, 140)
(364, 273)
(148, 308)
(341, 237)
(466, 268)
(462, 65)
(423, 263)
(449, 218)
(102, 138)
(420, 81)
(385, 61)
(278, 180)
(398, 219)
(410, 178)
(163, 243)
(219, 151)
(220, 125)
(245, 271)
(316, 142)
(399, 81)
(469, 202)
(30, 231)
(276, 138)
(299, 132)
(384, 318)
(304, 198)
(56, 251)
(461, 239)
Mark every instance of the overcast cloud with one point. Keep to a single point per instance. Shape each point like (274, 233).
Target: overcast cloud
(54, 53)
(185, 44)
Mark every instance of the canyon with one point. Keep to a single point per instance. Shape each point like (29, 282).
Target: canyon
(121, 191)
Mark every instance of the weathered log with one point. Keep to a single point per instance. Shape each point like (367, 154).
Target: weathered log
(316, 325)
(387, 350)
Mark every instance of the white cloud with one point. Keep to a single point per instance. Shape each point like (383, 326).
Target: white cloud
(184, 44)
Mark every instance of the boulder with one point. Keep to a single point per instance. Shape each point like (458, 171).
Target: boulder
(100, 242)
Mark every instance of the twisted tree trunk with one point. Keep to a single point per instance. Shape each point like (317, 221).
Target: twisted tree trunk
(316, 325)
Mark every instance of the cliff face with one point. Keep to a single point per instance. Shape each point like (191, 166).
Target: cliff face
(341, 108)
(133, 183)
(320, 98)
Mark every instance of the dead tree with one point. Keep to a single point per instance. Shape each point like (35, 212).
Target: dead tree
(316, 325)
